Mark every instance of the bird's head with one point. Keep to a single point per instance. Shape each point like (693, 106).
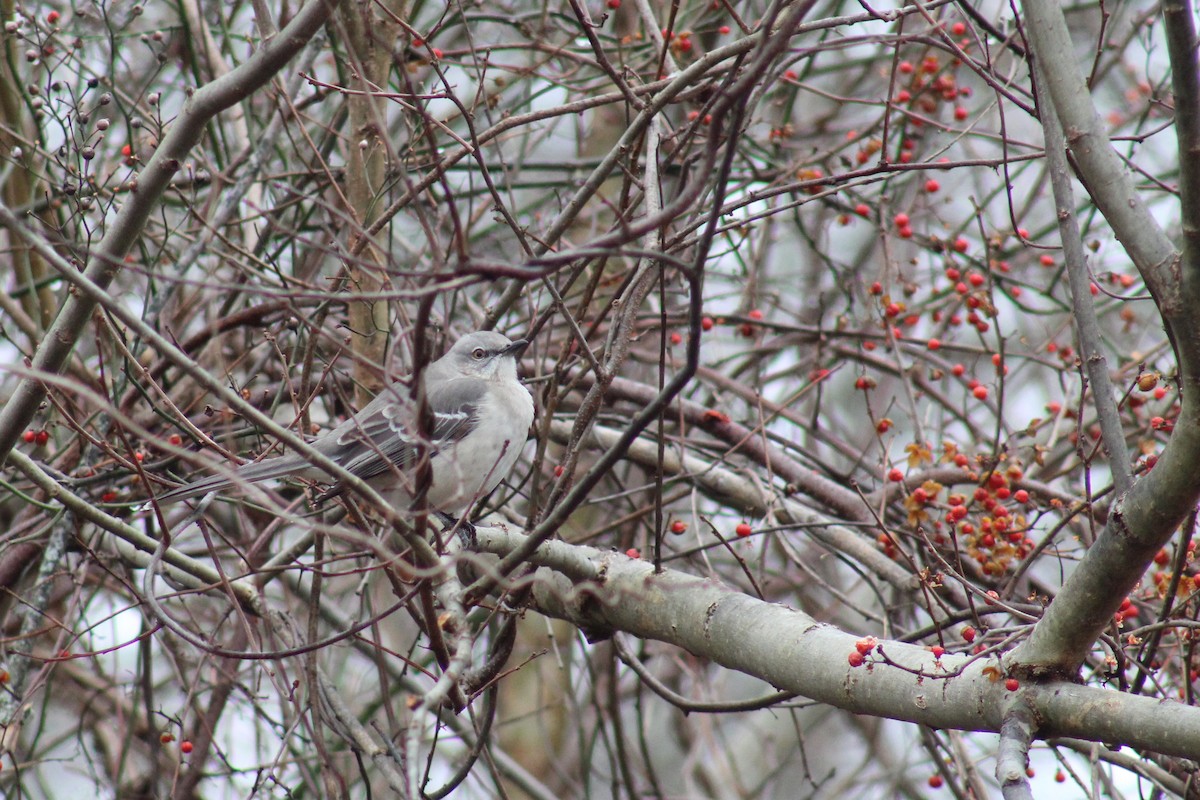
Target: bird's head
(485, 354)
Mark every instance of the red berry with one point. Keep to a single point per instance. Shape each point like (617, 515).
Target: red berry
(961, 113)
(968, 634)
(901, 220)
(856, 659)
(862, 209)
(185, 747)
(932, 185)
(614, 3)
(678, 526)
(980, 392)
(175, 440)
(743, 530)
(558, 470)
(1162, 558)
(676, 338)
(958, 28)
(435, 52)
(1060, 776)
(29, 436)
(633, 552)
(706, 323)
(166, 738)
(906, 67)
(1012, 684)
(938, 651)
(895, 476)
(876, 288)
(935, 781)
(905, 232)
(42, 437)
(960, 245)
(52, 17)
(723, 30)
(1021, 496)
(866, 644)
(975, 279)
(1047, 260)
(755, 314)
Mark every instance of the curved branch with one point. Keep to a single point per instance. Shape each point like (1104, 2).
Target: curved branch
(793, 652)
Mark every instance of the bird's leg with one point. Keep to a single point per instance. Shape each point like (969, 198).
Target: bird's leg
(466, 531)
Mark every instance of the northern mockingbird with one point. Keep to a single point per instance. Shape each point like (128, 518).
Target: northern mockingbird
(480, 418)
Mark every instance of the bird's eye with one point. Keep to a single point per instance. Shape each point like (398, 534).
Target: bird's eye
(479, 353)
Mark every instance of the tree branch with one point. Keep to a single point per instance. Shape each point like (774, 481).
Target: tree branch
(792, 652)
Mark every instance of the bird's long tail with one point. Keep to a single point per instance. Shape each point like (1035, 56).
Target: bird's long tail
(247, 473)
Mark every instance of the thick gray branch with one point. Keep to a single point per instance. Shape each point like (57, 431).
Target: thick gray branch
(1100, 168)
(793, 652)
(1147, 516)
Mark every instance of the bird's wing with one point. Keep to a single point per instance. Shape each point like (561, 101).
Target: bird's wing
(383, 435)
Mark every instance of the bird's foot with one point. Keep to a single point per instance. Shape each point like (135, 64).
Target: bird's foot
(466, 531)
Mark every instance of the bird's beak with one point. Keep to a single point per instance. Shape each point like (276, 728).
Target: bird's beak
(515, 349)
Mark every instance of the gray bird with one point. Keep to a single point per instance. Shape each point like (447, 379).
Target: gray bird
(480, 418)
